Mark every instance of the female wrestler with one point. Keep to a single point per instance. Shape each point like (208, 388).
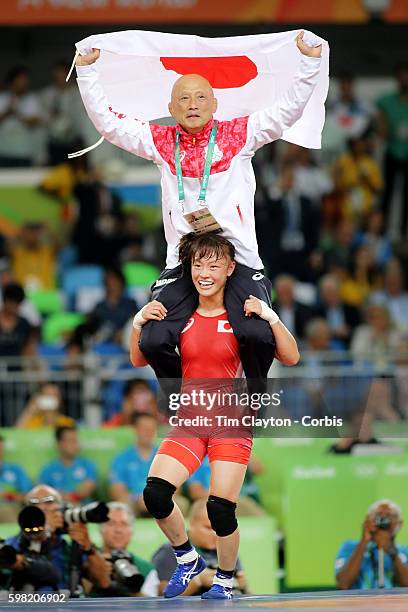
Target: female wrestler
(208, 350)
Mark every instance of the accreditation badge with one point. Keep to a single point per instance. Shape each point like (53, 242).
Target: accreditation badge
(202, 221)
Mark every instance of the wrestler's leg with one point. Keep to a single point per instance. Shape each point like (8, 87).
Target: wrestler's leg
(172, 471)
(227, 478)
(174, 462)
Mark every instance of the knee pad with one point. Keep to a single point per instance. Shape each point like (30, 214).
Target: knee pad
(221, 513)
(157, 496)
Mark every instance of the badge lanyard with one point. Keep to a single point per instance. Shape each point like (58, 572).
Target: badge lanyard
(207, 167)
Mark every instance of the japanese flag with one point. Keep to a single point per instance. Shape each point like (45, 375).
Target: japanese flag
(137, 70)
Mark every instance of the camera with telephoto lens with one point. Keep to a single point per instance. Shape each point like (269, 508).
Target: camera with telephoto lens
(36, 572)
(95, 512)
(125, 572)
(382, 521)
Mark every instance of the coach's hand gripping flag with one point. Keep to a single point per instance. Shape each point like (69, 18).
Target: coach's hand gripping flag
(137, 70)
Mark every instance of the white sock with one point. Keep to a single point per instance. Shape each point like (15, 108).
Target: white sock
(188, 557)
(223, 581)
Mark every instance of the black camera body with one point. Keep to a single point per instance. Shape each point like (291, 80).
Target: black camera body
(8, 555)
(383, 522)
(37, 572)
(125, 572)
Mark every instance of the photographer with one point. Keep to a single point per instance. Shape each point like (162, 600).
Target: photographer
(47, 543)
(376, 560)
(27, 568)
(127, 574)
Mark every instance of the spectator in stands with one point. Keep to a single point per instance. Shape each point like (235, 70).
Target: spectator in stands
(130, 468)
(14, 484)
(319, 339)
(54, 547)
(393, 127)
(131, 248)
(293, 314)
(114, 311)
(337, 248)
(204, 539)
(197, 487)
(27, 310)
(348, 115)
(17, 341)
(376, 341)
(61, 103)
(358, 563)
(20, 114)
(357, 179)
(293, 223)
(137, 398)
(33, 258)
(311, 181)
(72, 475)
(44, 409)
(17, 338)
(341, 318)
(98, 226)
(61, 182)
(394, 296)
(374, 237)
(362, 278)
(317, 395)
(116, 535)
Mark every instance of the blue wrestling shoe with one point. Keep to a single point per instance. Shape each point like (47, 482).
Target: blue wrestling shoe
(183, 574)
(218, 591)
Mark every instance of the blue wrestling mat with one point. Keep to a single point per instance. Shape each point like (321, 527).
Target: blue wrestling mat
(395, 600)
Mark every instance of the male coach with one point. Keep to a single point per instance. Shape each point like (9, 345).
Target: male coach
(207, 184)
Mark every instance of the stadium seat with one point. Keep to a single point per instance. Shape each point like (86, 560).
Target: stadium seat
(66, 258)
(109, 349)
(88, 297)
(47, 301)
(54, 354)
(59, 324)
(78, 277)
(140, 274)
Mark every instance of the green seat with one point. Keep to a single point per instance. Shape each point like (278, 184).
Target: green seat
(59, 324)
(47, 301)
(140, 274)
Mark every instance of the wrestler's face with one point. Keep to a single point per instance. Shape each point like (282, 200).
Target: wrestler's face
(210, 274)
(192, 102)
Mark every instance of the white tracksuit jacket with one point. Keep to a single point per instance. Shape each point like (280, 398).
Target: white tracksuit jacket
(231, 188)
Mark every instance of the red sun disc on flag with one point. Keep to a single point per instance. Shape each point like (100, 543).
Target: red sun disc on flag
(221, 72)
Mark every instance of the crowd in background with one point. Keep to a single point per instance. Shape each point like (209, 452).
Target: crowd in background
(331, 226)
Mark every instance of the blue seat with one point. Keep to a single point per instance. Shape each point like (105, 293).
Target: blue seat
(67, 258)
(53, 354)
(109, 349)
(78, 277)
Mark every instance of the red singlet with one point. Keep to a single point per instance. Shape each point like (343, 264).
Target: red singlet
(208, 349)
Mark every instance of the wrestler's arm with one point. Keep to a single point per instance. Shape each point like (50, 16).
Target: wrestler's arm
(286, 351)
(153, 311)
(269, 124)
(121, 130)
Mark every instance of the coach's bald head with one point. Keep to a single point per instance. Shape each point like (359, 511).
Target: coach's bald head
(192, 102)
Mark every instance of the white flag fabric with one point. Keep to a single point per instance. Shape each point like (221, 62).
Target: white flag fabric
(137, 70)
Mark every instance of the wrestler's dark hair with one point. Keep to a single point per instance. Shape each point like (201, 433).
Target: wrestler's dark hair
(204, 246)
